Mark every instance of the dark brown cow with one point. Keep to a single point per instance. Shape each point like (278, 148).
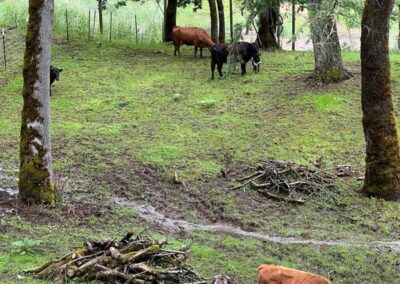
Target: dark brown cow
(191, 36)
(275, 274)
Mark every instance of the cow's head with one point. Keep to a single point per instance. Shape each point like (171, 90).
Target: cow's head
(55, 73)
(256, 58)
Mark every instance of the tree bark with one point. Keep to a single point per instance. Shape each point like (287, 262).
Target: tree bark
(170, 20)
(36, 183)
(214, 20)
(101, 8)
(382, 170)
(268, 25)
(327, 51)
(221, 18)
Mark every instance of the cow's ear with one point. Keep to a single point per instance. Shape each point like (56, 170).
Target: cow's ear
(60, 70)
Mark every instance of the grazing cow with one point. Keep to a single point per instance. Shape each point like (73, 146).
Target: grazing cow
(54, 75)
(243, 52)
(191, 36)
(222, 279)
(219, 56)
(275, 274)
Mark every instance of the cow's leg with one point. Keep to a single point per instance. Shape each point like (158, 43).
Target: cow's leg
(195, 50)
(201, 52)
(243, 65)
(212, 69)
(179, 50)
(220, 69)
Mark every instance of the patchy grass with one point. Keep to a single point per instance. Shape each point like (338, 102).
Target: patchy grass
(126, 119)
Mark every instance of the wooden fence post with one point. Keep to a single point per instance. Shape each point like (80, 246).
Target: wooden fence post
(4, 48)
(293, 25)
(89, 26)
(110, 25)
(136, 31)
(66, 20)
(231, 18)
(94, 22)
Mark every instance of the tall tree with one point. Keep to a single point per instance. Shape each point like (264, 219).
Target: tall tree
(269, 24)
(36, 183)
(214, 20)
(102, 7)
(382, 170)
(170, 19)
(221, 18)
(327, 52)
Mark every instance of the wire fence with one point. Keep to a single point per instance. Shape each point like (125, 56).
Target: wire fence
(11, 50)
(72, 25)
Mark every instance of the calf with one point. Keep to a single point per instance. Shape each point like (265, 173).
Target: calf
(275, 274)
(243, 52)
(191, 36)
(219, 56)
(54, 75)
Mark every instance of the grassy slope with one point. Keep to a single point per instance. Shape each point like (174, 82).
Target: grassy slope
(116, 104)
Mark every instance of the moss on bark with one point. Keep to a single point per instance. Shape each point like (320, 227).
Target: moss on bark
(382, 170)
(36, 185)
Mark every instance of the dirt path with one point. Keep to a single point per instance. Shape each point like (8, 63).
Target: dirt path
(148, 213)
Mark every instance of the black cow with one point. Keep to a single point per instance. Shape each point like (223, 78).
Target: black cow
(219, 56)
(243, 52)
(54, 75)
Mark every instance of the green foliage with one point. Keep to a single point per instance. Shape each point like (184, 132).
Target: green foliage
(26, 246)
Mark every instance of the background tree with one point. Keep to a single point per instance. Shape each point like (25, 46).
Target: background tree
(36, 183)
(101, 6)
(328, 60)
(170, 19)
(269, 24)
(214, 20)
(221, 18)
(382, 170)
(171, 14)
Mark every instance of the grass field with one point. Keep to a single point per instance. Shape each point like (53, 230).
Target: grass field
(126, 119)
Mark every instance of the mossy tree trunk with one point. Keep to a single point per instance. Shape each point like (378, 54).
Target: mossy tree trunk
(221, 18)
(382, 170)
(170, 20)
(328, 62)
(214, 20)
(269, 24)
(36, 183)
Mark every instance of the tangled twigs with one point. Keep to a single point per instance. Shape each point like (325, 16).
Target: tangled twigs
(138, 261)
(289, 182)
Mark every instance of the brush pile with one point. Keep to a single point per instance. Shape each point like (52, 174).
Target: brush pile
(134, 261)
(289, 181)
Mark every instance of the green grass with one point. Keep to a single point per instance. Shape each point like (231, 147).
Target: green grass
(119, 105)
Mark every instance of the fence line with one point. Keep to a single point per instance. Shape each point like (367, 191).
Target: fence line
(11, 50)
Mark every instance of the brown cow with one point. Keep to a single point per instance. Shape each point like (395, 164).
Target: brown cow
(191, 36)
(275, 274)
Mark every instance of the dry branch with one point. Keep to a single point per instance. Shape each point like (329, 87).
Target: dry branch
(291, 182)
(137, 261)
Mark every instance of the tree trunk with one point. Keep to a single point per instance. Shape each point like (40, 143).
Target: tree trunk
(170, 20)
(269, 25)
(36, 183)
(101, 8)
(221, 17)
(327, 51)
(382, 170)
(214, 20)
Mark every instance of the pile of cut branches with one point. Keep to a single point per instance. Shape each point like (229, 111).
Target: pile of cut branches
(135, 261)
(289, 182)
